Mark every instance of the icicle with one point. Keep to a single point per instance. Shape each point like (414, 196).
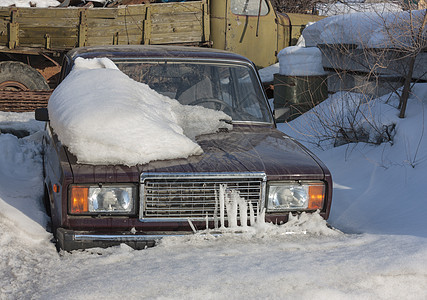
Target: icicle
(221, 204)
(228, 208)
(207, 222)
(216, 211)
(243, 212)
(260, 220)
(231, 206)
(251, 214)
(191, 225)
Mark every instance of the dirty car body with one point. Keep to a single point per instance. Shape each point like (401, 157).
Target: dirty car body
(270, 170)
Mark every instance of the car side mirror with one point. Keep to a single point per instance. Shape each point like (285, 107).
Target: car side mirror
(41, 114)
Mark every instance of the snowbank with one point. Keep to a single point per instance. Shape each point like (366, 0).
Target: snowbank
(369, 29)
(354, 112)
(21, 186)
(377, 188)
(300, 61)
(104, 117)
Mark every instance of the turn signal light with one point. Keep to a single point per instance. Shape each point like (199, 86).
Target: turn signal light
(79, 199)
(316, 195)
(55, 188)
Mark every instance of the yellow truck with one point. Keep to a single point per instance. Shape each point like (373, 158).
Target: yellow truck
(33, 40)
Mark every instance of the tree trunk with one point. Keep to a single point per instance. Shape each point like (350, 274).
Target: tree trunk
(406, 87)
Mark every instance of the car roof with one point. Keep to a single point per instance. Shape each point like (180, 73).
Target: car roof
(155, 51)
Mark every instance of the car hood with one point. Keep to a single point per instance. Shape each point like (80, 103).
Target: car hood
(244, 149)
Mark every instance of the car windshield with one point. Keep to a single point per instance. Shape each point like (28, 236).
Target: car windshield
(229, 87)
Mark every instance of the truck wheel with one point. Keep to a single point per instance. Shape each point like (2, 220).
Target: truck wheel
(17, 76)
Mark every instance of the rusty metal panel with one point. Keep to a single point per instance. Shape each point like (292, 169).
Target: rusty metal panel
(23, 101)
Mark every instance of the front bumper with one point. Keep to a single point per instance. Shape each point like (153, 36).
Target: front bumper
(69, 240)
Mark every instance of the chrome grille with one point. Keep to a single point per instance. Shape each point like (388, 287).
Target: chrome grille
(195, 197)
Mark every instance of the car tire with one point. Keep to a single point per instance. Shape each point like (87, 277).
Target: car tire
(17, 76)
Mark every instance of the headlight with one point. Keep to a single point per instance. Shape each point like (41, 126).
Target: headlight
(117, 199)
(288, 196)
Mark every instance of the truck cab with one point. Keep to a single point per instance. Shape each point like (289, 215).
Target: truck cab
(254, 29)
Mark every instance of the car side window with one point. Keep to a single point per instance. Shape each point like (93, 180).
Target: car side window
(249, 7)
(249, 98)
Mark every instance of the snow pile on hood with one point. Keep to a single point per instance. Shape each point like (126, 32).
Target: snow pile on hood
(29, 3)
(370, 29)
(104, 117)
(300, 61)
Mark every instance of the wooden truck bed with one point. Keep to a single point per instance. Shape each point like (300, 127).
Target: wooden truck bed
(27, 30)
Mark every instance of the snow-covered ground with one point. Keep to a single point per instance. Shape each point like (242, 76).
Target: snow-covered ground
(378, 249)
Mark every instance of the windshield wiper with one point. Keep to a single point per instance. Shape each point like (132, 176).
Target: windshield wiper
(227, 121)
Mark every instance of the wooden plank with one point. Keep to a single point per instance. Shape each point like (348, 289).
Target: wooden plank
(3, 27)
(98, 31)
(109, 33)
(174, 28)
(206, 23)
(82, 33)
(131, 40)
(147, 27)
(179, 17)
(64, 42)
(49, 13)
(101, 13)
(39, 32)
(176, 7)
(55, 41)
(119, 22)
(40, 22)
(54, 46)
(5, 13)
(13, 30)
(130, 10)
(112, 29)
(185, 37)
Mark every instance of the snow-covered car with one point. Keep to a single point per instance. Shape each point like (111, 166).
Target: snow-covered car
(116, 164)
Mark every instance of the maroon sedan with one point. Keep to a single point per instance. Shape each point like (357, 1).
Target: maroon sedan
(105, 205)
